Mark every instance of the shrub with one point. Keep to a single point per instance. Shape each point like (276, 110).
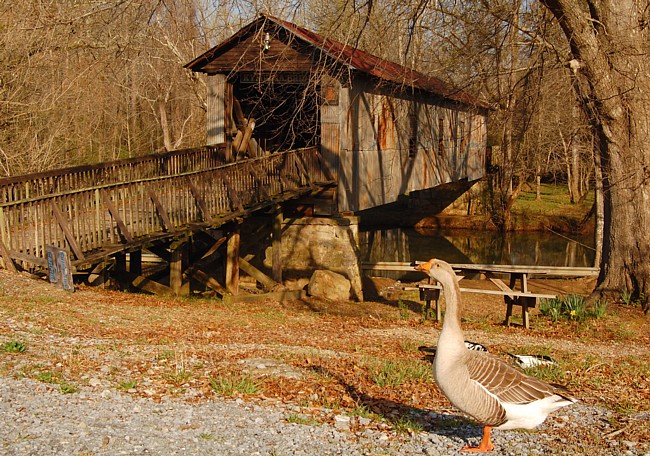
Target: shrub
(572, 307)
(599, 308)
(551, 308)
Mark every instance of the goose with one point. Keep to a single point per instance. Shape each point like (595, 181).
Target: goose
(494, 393)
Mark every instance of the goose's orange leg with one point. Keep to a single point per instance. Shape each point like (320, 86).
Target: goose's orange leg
(486, 443)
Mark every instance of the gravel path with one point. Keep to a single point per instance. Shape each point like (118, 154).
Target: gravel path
(38, 419)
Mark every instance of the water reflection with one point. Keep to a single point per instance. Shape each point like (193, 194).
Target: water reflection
(481, 247)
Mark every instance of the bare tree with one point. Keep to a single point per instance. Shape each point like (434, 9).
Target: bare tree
(609, 49)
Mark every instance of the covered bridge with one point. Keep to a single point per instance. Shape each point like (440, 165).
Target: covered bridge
(384, 130)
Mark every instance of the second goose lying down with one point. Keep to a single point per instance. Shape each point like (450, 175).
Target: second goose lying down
(492, 392)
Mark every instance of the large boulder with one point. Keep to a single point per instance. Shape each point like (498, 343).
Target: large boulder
(329, 285)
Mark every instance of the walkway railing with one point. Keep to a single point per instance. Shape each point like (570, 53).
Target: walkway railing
(98, 210)
(27, 186)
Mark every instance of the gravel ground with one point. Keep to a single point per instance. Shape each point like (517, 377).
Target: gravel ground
(38, 419)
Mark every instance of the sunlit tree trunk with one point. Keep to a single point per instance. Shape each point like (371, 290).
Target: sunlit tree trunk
(610, 43)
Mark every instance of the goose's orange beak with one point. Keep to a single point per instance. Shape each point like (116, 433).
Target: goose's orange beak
(424, 267)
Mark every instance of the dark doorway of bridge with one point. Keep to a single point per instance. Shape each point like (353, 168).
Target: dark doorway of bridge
(285, 110)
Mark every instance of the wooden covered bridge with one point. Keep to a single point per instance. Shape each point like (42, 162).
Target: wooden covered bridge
(297, 124)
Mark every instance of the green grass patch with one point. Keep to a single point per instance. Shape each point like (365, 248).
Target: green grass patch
(178, 377)
(393, 373)
(296, 418)
(13, 346)
(229, 385)
(127, 385)
(48, 377)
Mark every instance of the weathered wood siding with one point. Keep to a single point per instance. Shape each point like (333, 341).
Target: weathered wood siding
(249, 55)
(215, 115)
(392, 145)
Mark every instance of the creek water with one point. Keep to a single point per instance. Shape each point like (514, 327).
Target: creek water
(474, 246)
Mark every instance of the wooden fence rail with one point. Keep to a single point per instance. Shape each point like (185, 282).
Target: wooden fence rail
(135, 204)
(63, 180)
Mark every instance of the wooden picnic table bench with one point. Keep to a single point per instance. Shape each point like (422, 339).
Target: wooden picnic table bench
(515, 293)
(527, 300)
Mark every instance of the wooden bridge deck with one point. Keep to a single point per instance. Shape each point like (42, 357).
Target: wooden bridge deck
(97, 211)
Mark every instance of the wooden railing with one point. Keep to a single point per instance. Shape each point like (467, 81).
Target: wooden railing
(27, 186)
(135, 201)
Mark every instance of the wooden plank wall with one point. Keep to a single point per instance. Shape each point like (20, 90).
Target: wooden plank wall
(93, 219)
(376, 161)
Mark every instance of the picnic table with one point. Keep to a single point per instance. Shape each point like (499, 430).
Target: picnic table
(515, 293)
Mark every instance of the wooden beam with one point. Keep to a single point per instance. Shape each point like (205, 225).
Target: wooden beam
(234, 199)
(258, 275)
(99, 275)
(162, 213)
(160, 251)
(142, 283)
(209, 281)
(63, 223)
(240, 119)
(178, 251)
(6, 257)
(276, 245)
(121, 226)
(199, 200)
(135, 262)
(232, 260)
(248, 133)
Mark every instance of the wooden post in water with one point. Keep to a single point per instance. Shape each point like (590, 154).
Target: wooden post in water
(232, 260)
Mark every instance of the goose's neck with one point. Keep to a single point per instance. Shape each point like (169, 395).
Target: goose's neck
(451, 324)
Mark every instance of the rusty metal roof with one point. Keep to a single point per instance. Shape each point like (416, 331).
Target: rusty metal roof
(352, 57)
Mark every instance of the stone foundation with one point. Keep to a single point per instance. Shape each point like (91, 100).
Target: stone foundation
(310, 244)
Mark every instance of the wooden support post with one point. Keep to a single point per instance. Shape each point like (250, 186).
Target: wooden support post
(509, 303)
(99, 276)
(258, 275)
(6, 257)
(121, 226)
(178, 250)
(431, 294)
(135, 262)
(276, 245)
(525, 304)
(63, 224)
(162, 213)
(232, 260)
(120, 261)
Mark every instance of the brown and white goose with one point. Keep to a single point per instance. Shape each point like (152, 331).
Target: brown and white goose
(492, 392)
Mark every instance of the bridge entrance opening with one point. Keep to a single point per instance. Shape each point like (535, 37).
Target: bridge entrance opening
(284, 106)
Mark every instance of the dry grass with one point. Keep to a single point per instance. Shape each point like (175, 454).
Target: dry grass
(359, 358)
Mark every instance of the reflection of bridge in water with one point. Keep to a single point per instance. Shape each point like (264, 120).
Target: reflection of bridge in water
(162, 203)
(471, 246)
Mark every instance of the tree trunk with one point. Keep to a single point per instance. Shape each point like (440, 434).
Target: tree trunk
(610, 46)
